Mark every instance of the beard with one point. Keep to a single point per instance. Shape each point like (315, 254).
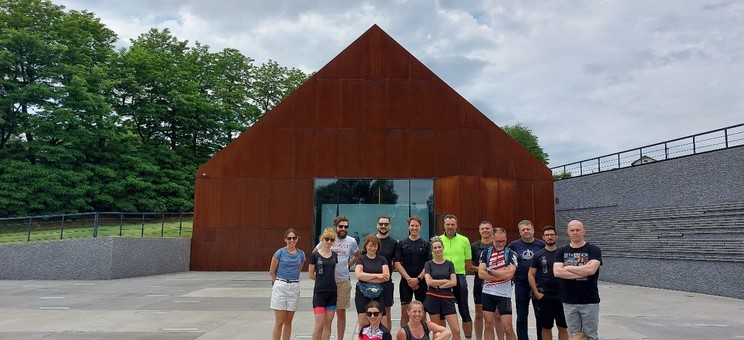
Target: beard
(383, 231)
(551, 243)
(450, 232)
(342, 233)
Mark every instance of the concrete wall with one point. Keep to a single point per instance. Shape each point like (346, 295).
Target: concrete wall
(94, 258)
(676, 224)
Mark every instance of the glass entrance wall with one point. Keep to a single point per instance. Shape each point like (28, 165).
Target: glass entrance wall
(364, 200)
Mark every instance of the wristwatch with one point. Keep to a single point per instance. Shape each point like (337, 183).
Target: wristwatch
(489, 271)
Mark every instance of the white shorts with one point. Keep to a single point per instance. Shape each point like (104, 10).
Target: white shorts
(285, 295)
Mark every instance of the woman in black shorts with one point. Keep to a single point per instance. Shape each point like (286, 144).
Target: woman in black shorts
(440, 277)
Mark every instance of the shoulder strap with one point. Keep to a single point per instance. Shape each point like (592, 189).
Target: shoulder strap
(426, 328)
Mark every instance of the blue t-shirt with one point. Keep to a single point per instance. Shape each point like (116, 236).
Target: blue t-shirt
(524, 252)
(289, 265)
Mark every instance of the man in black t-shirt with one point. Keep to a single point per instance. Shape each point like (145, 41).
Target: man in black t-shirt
(546, 288)
(411, 253)
(577, 264)
(387, 250)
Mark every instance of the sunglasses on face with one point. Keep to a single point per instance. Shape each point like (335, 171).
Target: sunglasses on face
(343, 226)
(291, 238)
(328, 239)
(371, 314)
(383, 224)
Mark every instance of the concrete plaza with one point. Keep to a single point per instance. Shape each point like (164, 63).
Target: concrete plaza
(234, 305)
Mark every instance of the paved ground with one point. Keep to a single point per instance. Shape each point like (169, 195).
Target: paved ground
(234, 305)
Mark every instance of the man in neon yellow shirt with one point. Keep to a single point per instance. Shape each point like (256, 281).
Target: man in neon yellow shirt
(457, 250)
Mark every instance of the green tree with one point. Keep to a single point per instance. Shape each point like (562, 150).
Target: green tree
(524, 136)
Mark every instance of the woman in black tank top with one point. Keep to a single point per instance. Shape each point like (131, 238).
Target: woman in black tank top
(418, 328)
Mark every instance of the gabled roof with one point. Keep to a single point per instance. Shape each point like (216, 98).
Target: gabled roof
(374, 111)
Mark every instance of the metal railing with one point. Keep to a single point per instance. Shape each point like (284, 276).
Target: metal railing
(722, 138)
(95, 224)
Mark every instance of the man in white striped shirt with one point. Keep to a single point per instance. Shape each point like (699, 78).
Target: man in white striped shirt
(497, 267)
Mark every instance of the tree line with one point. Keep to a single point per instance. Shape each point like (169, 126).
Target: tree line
(87, 127)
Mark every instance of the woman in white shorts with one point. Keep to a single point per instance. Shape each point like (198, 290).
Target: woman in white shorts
(285, 268)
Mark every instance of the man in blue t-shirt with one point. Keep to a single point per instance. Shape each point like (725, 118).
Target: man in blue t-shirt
(525, 248)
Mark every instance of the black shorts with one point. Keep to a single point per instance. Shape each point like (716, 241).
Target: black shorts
(441, 306)
(551, 309)
(478, 292)
(361, 301)
(388, 290)
(324, 299)
(407, 294)
(493, 303)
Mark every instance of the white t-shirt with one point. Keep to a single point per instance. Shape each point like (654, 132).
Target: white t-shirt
(345, 248)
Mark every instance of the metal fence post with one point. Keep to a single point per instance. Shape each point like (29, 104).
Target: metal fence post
(28, 239)
(95, 225)
(162, 225)
(180, 224)
(62, 228)
(142, 230)
(121, 222)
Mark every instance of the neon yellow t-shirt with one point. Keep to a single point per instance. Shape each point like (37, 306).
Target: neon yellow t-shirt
(457, 250)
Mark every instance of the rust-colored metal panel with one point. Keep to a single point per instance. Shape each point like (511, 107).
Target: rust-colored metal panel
(327, 153)
(280, 198)
(445, 106)
(525, 201)
(355, 103)
(280, 158)
(421, 153)
(469, 213)
(353, 62)
(489, 200)
(301, 112)
(544, 200)
(328, 101)
(494, 161)
(507, 208)
(304, 153)
(300, 211)
(391, 156)
(421, 112)
(446, 197)
(255, 210)
(231, 202)
(354, 153)
(447, 148)
(469, 155)
(254, 249)
(226, 248)
(393, 59)
(397, 100)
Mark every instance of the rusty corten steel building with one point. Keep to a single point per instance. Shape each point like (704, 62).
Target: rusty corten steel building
(373, 132)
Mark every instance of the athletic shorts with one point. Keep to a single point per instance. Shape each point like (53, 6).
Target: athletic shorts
(324, 301)
(551, 309)
(407, 294)
(437, 305)
(492, 303)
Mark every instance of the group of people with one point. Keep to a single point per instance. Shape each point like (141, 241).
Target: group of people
(558, 282)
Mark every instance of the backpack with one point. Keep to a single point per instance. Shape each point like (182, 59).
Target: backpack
(507, 256)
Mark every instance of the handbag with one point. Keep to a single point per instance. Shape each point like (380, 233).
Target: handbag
(370, 290)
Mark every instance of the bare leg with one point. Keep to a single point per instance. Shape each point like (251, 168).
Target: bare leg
(327, 322)
(453, 325)
(287, 328)
(340, 323)
(319, 323)
(388, 319)
(562, 333)
(499, 327)
(478, 322)
(506, 321)
(363, 321)
(403, 315)
(279, 316)
(467, 328)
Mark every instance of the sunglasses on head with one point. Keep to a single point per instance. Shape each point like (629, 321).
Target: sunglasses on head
(370, 314)
(383, 224)
(291, 238)
(343, 226)
(329, 239)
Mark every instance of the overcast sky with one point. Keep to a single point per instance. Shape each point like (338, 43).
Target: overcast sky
(588, 77)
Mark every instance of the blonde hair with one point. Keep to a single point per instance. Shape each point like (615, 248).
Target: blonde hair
(328, 233)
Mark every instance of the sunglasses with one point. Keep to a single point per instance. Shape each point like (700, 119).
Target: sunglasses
(384, 224)
(343, 226)
(371, 314)
(328, 239)
(291, 238)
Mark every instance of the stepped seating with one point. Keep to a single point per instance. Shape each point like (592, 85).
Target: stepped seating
(710, 232)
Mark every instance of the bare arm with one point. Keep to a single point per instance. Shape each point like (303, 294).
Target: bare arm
(440, 332)
(432, 282)
(369, 277)
(272, 268)
(560, 271)
(354, 260)
(311, 271)
(586, 270)
(496, 275)
(533, 283)
(468, 264)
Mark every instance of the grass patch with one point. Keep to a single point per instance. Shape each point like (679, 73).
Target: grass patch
(51, 233)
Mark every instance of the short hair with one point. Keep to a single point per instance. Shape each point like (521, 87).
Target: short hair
(448, 216)
(384, 216)
(526, 222)
(328, 233)
(290, 231)
(485, 222)
(499, 230)
(371, 239)
(338, 220)
(373, 304)
(549, 227)
(415, 218)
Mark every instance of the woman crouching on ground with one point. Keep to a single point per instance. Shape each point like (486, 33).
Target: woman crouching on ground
(374, 330)
(321, 269)
(440, 277)
(418, 328)
(284, 271)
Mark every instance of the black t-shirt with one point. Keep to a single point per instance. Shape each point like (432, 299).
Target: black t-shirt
(325, 268)
(546, 282)
(439, 272)
(413, 255)
(372, 266)
(476, 249)
(584, 290)
(387, 250)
